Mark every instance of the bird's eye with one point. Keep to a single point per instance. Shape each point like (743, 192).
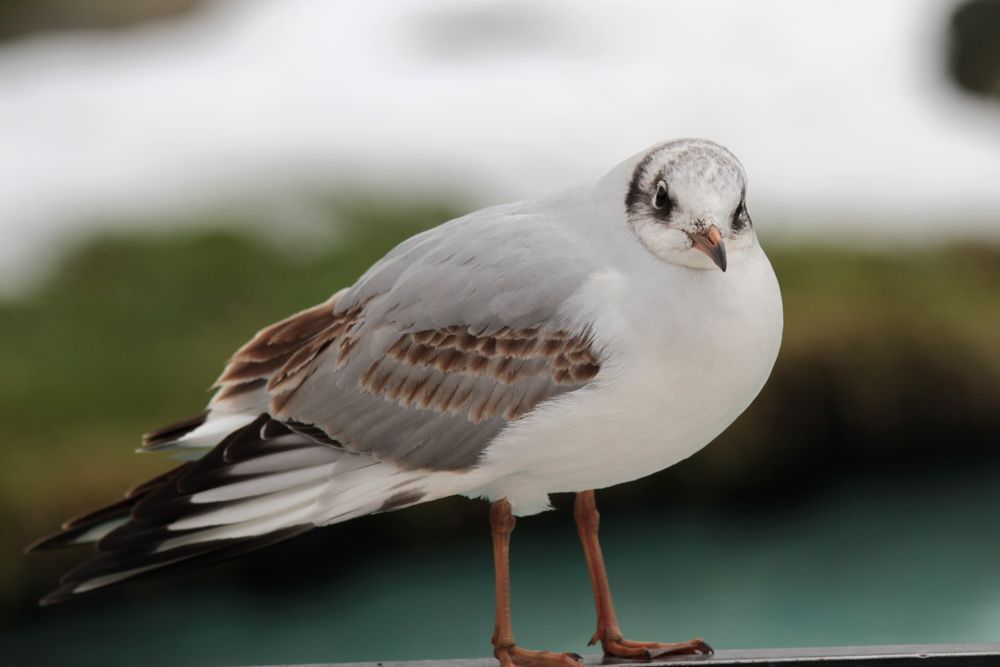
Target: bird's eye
(740, 217)
(661, 199)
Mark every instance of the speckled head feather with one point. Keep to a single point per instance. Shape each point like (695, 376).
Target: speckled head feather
(680, 189)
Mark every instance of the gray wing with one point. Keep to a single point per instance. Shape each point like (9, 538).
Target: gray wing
(454, 333)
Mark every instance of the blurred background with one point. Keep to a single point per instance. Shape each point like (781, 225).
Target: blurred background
(175, 174)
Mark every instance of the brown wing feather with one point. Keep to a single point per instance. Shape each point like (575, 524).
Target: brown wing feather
(273, 346)
(290, 342)
(430, 398)
(421, 398)
(508, 357)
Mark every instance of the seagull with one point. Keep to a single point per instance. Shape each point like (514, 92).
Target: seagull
(563, 344)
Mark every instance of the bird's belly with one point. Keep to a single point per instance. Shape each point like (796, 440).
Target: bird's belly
(645, 413)
(609, 437)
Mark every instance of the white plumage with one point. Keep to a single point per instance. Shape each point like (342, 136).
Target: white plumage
(567, 343)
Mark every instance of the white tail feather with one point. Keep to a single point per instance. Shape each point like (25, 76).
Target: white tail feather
(287, 460)
(263, 485)
(303, 513)
(351, 486)
(366, 493)
(254, 508)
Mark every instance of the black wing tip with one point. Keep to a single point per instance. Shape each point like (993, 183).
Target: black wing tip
(61, 594)
(201, 555)
(52, 542)
(72, 529)
(163, 436)
(129, 552)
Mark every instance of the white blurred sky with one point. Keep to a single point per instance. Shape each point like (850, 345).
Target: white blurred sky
(840, 110)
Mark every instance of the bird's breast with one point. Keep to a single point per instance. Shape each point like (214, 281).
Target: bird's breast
(674, 376)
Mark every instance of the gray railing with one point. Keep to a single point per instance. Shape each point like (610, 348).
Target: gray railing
(913, 655)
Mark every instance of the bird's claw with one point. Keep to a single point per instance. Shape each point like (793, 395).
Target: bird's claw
(515, 656)
(625, 648)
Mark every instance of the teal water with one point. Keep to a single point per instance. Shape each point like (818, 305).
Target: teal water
(876, 560)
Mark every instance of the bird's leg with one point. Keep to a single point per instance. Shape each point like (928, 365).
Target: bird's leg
(504, 648)
(608, 633)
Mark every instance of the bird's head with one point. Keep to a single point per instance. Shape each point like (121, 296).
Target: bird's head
(686, 203)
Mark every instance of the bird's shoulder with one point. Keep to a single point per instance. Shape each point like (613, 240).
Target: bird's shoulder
(511, 265)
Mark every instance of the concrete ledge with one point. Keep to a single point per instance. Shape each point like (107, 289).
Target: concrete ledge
(912, 655)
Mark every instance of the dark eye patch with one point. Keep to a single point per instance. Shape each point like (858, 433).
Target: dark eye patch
(740, 217)
(661, 198)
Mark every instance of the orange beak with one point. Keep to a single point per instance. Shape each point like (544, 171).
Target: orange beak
(710, 243)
